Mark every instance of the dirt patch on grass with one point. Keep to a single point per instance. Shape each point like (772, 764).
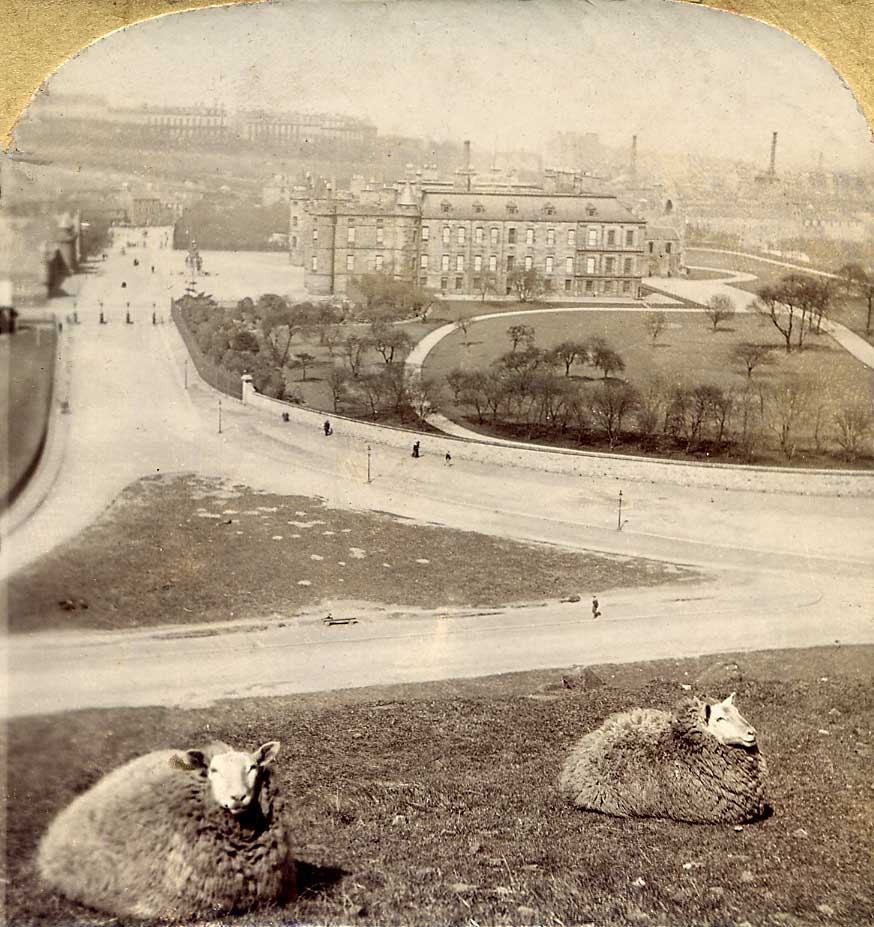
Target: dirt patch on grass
(184, 550)
(439, 801)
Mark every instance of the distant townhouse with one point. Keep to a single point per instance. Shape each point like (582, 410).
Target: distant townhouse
(459, 241)
(664, 251)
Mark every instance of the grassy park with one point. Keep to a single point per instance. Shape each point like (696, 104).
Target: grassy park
(186, 550)
(28, 359)
(437, 803)
(688, 352)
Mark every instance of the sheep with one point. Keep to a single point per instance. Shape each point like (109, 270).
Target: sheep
(700, 764)
(175, 834)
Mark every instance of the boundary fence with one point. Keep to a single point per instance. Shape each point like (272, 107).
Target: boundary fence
(215, 375)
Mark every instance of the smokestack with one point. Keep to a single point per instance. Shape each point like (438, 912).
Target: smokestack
(467, 162)
(772, 170)
(634, 156)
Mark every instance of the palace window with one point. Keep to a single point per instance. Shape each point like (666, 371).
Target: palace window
(447, 233)
(611, 238)
(567, 285)
(550, 238)
(459, 283)
(444, 283)
(461, 234)
(350, 262)
(667, 247)
(378, 262)
(529, 262)
(350, 235)
(494, 234)
(627, 266)
(610, 265)
(511, 236)
(510, 262)
(592, 238)
(493, 263)
(444, 262)
(529, 236)
(478, 207)
(423, 261)
(445, 206)
(590, 265)
(569, 265)
(314, 264)
(549, 209)
(549, 263)
(572, 238)
(478, 262)
(626, 287)
(512, 209)
(459, 263)
(426, 233)
(315, 234)
(478, 235)
(629, 237)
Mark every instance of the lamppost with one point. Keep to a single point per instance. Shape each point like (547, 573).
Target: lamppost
(619, 521)
(368, 464)
(220, 416)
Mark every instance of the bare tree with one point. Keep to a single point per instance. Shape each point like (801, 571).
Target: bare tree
(373, 389)
(751, 356)
(519, 334)
(528, 284)
(389, 341)
(770, 302)
(854, 426)
(650, 410)
(605, 359)
(424, 394)
(719, 309)
(569, 351)
(655, 325)
(787, 405)
(304, 360)
(748, 418)
(354, 350)
(338, 383)
(611, 404)
(488, 283)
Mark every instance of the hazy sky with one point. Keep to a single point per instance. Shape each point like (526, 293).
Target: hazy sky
(679, 76)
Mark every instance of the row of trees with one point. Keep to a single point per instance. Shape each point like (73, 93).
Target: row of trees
(697, 418)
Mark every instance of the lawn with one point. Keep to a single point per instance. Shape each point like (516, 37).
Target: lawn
(180, 550)
(27, 360)
(438, 802)
(689, 352)
(850, 310)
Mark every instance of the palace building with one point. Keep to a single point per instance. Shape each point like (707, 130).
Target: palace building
(462, 241)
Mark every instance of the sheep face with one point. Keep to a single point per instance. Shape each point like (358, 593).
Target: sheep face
(234, 777)
(728, 725)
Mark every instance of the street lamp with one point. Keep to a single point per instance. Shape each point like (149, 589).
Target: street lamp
(220, 416)
(368, 464)
(619, 521)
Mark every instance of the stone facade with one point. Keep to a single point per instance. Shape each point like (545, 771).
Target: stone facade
(664, 252)
(458, 241)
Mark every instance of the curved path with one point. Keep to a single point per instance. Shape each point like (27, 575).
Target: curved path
(775, 557)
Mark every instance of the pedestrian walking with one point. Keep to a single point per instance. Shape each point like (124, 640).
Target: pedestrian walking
(596, 612)
(327, 427)
(447, 460)
(153, 268)
(416, 449)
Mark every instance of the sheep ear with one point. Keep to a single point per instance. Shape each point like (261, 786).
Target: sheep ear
(267, 753)
(730, 699)
(707, 713)
(189, 760)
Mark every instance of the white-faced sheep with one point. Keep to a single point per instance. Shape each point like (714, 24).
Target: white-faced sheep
(699, 764)
(175, 834)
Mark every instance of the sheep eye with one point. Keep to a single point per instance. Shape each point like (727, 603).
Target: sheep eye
(253, 767)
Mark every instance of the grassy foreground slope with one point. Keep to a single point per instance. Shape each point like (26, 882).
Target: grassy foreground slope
(439, 804)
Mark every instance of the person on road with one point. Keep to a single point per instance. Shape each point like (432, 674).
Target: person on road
(596, 612)
(416, 449)
(327, 427)
(447, 460)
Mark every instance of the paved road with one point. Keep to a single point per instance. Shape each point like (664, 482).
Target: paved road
(791, 569)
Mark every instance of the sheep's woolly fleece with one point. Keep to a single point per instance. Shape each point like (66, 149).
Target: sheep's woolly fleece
(650, 763)
(149, 841)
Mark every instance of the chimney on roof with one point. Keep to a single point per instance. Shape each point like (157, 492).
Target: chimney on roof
(772, 170)
(467, 162)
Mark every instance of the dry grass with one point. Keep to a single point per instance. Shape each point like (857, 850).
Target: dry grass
(439, 801)
(177, 550)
